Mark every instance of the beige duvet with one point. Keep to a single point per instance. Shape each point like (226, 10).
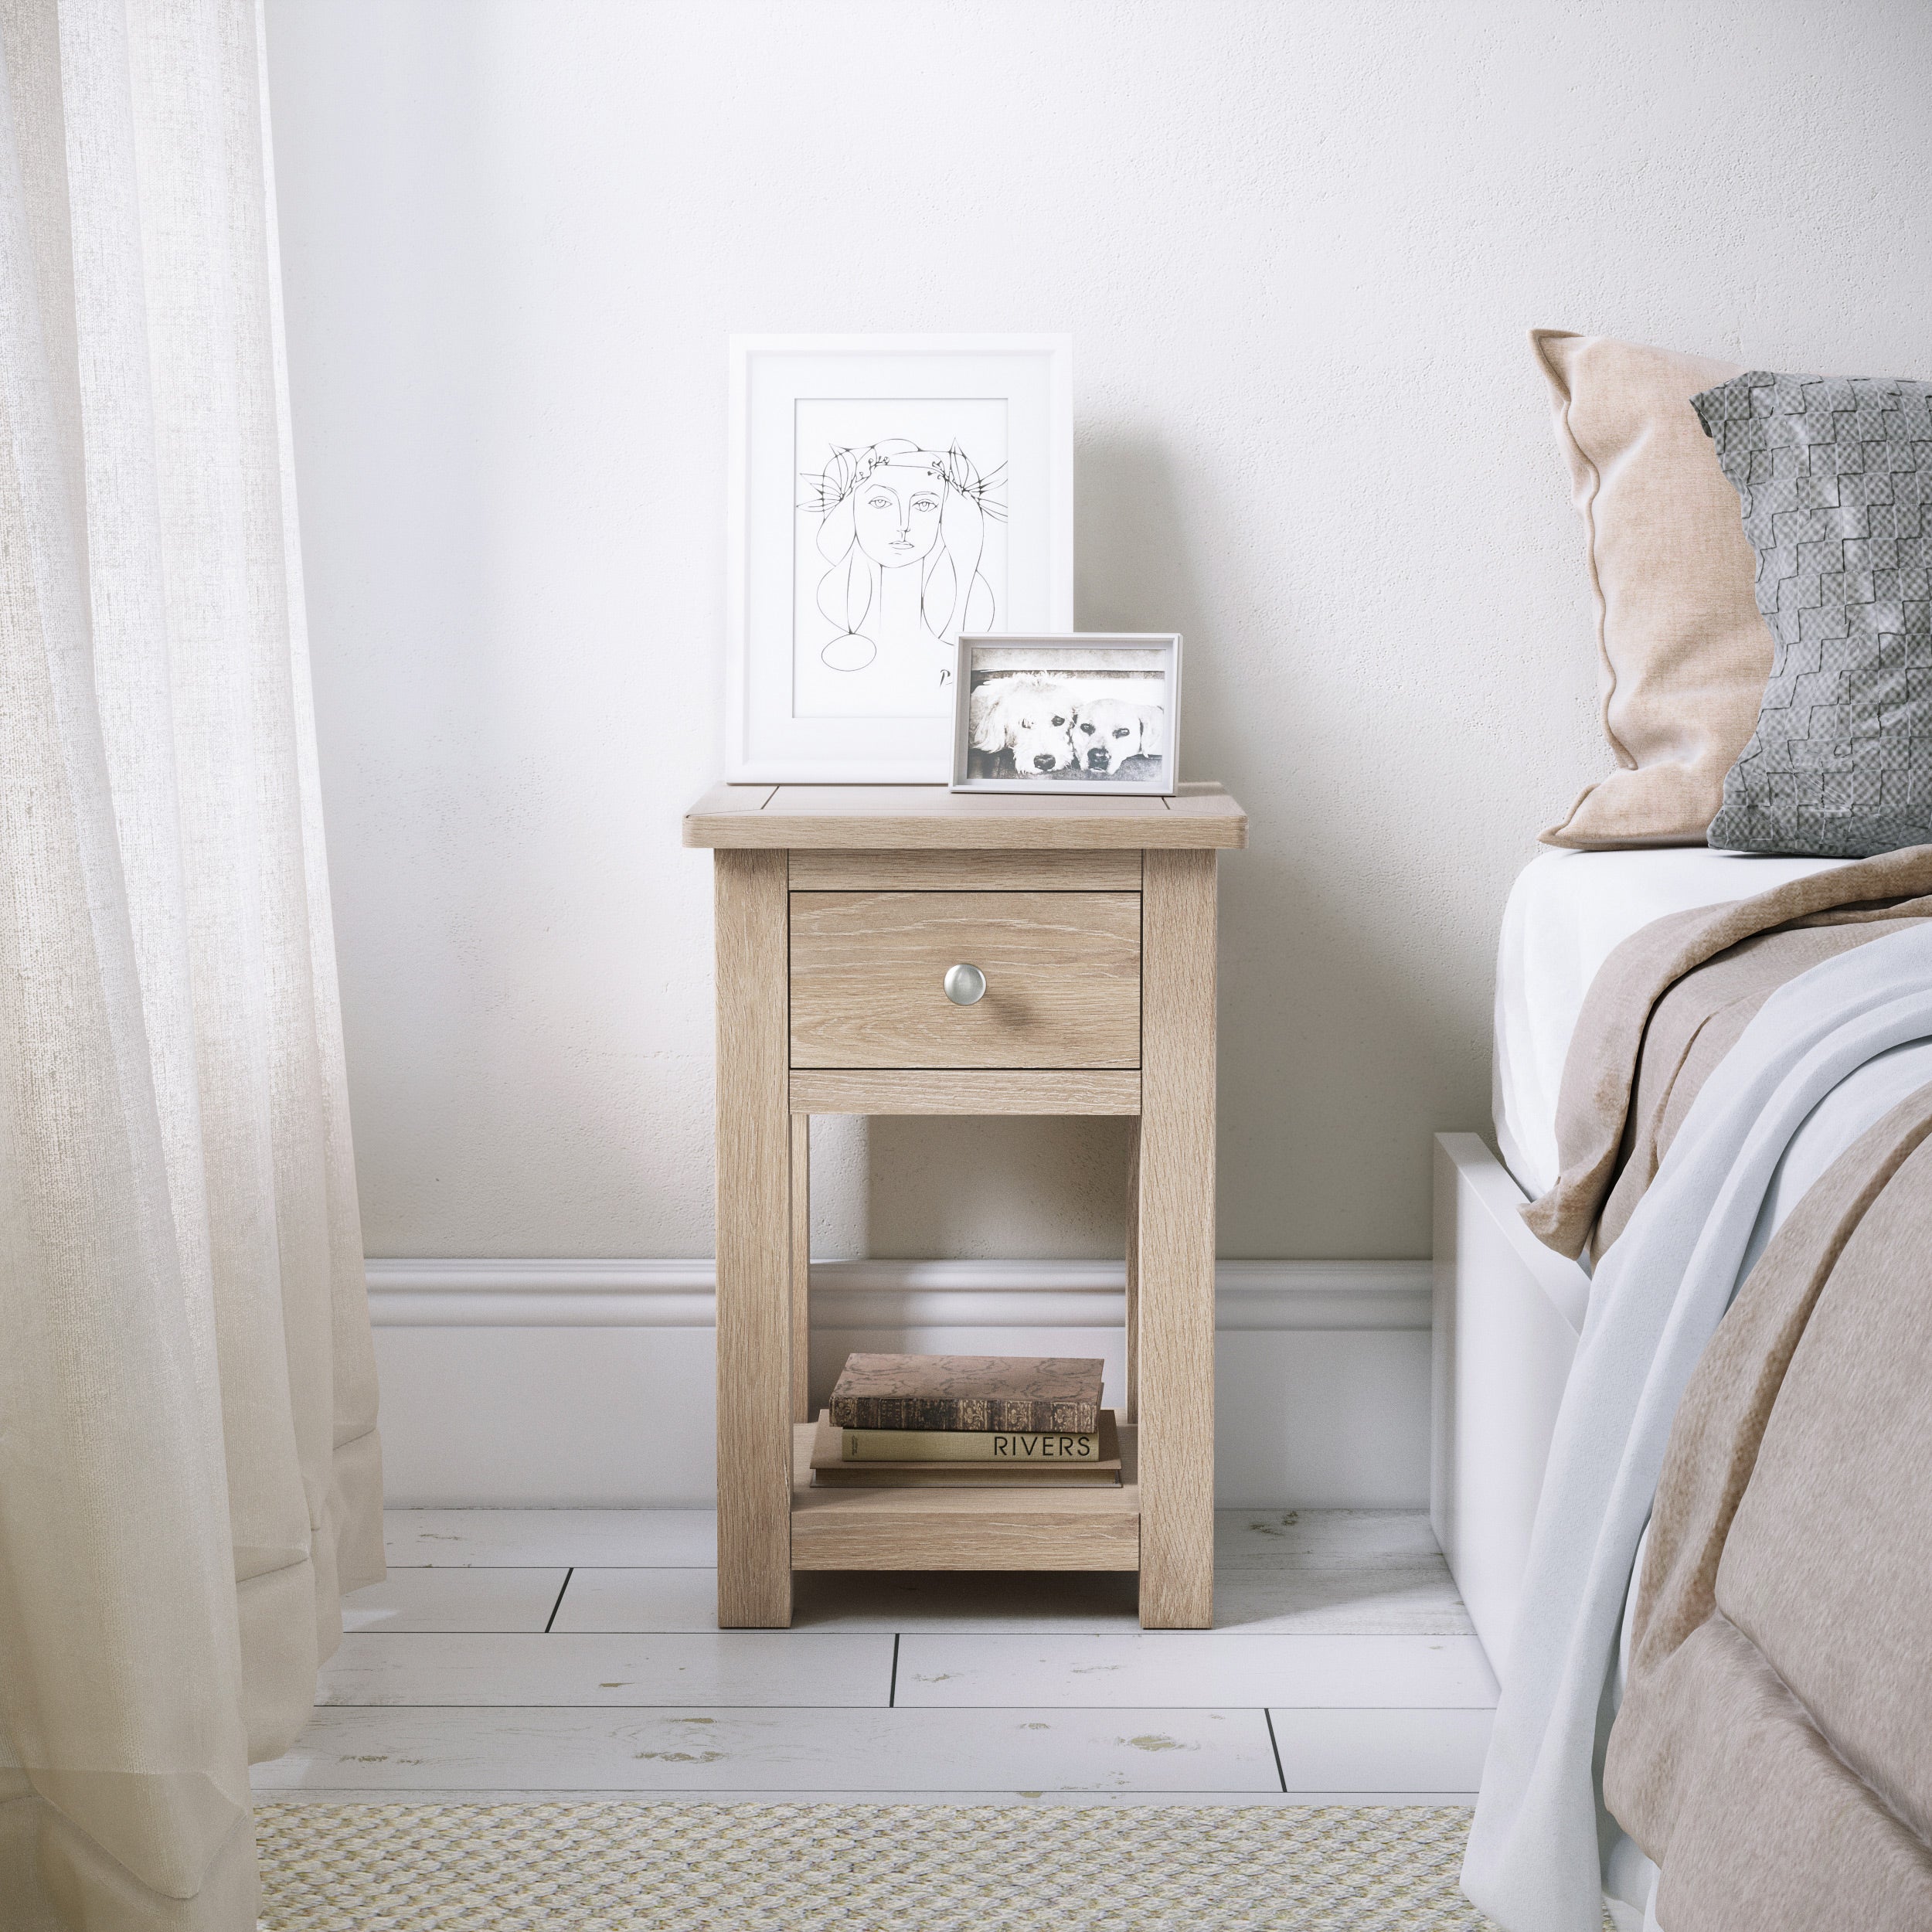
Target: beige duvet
(1773, 1753)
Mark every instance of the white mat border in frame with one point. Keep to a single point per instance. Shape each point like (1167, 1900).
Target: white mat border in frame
(764, 743)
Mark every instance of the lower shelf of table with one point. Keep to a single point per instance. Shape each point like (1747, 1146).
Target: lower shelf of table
(1031, 1528)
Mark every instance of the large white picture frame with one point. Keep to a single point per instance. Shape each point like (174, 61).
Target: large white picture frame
(886, 493)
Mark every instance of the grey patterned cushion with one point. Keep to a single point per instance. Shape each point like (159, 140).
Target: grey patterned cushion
(1836, 480)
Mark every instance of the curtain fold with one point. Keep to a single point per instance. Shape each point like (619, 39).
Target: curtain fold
(189, 1468)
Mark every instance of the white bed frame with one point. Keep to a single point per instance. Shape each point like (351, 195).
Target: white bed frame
(1507, 1314)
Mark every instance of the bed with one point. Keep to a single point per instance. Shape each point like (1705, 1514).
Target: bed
(1508, 1310)
(1511, 1310)
(1683, 1360)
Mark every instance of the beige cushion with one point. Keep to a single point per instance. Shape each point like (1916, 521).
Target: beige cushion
(1681, 653)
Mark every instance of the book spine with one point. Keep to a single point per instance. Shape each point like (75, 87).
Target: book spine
(977, 1414)
(960, 1445)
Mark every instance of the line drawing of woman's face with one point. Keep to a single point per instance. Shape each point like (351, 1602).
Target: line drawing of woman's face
(881, 508)
(897, 514)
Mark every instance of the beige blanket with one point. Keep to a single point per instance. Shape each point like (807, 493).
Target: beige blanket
(1666, 1005)
(1774, 1751)
(1786, 1705)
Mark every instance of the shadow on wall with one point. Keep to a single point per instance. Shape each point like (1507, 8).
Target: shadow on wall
(1001, 1189)
(1338, 994)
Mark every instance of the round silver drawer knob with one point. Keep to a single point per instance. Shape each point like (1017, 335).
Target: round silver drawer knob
(964, 984)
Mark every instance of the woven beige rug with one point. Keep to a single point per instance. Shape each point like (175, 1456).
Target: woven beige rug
(860, 1868)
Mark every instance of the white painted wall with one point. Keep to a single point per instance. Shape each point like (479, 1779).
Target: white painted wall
(1296, 246)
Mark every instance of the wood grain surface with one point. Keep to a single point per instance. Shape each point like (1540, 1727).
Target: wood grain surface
(754, 1244)
(930, 818)
(1014, 871)
(1062, 979)
(1131, 1394)
(963, 1528)
(1174, 1240)
(838, 911)
(801, 1267)
(951, 1091)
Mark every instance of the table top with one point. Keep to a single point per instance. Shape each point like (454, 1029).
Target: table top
(933, 818)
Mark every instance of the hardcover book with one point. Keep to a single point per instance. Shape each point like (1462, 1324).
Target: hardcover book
(829, 1469)
(979, 1394)
(966, 1445)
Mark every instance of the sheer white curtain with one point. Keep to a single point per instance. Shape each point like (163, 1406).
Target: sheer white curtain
(190, 1471)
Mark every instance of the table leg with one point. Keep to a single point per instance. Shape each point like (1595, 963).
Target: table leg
(1130, 1395)
(801, 1267)
(754, 1244)
(1174, 1216)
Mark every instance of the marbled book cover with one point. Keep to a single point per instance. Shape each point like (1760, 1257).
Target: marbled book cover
(976, 1391)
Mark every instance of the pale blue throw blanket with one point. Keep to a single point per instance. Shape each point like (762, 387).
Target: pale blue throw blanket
(1535, 1850)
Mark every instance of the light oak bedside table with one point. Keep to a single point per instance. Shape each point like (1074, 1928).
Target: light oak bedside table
(841, 912)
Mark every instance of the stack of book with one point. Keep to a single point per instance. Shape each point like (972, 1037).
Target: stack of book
(967, 1421)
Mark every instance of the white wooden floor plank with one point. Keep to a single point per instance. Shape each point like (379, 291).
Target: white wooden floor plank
(641, 1599)
(1390, 1750)
(1394, 1596)
(1244, 1539)
(524, 1538)
(1411, 1597)
(1180, 1669)
(823, 1752)
(880, 1600)
(943, 1795)
(424, 1600)
(751, 1667)
(1265, 1538)
(1013, 1689)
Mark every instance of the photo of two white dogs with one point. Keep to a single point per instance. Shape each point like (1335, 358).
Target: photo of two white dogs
(1036, 713)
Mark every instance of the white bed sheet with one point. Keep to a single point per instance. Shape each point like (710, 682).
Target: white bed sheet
(1567, 912)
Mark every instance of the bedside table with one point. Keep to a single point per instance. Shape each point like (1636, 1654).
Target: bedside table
(1089, 924)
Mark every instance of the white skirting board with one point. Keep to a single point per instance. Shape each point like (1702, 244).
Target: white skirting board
(589, 1384)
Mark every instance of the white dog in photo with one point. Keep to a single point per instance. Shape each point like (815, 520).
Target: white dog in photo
(1030, 717)
(1107, 732)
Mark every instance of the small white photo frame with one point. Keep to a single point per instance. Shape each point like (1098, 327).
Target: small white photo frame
(887, 493)
(1098, 711)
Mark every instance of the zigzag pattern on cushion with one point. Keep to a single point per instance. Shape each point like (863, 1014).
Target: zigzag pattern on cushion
(1835, 479)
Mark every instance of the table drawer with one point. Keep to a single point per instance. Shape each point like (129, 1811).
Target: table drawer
(1063, 974)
